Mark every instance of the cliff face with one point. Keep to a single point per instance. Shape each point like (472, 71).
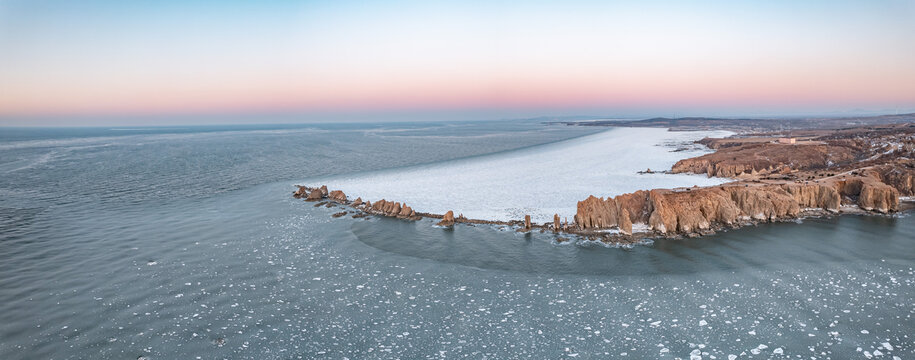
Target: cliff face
(597, 213)
(869, 193)
(815, 196)
(880, 197)
(900, 175)
(700, 209)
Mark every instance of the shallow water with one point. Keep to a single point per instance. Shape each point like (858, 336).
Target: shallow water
(185, 243)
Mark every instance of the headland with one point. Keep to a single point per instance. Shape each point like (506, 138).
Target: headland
(781, 169)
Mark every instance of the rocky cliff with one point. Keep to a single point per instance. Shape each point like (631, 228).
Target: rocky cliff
(698, 210)
(900, 175)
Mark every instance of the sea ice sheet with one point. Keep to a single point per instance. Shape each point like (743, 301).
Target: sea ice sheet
(540, 180)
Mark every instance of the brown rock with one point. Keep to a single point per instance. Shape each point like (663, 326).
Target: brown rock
(625, 224)
(388, 207)
(880, 197)
(815, 196)
(405, 211)
(379, 205)
(448, 219)
(527, 222)
(900, 175)
(596, 213)
(314, 195)
(357, 202)
(337, 195)
(324, 190)
(556, 222)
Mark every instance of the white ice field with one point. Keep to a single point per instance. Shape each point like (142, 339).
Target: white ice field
(541, 180)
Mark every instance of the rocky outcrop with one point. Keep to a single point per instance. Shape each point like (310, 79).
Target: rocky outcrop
(880, 197)
(337, 195)
(697, 210)
(900, 175)
(527, 222)
(689, 212)
(315, 195)
(406, 212)
(625, 224)
(357, 203)
(389, 208)
(324, 190)
(636, 204)
(597, 213)
(447, 220)
(619, 211)
(556, 225)
(869, 193)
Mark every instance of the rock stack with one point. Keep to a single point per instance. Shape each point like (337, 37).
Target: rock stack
(337, 196)
(447, 220)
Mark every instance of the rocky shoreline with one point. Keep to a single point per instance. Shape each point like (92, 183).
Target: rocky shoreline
(859, 170)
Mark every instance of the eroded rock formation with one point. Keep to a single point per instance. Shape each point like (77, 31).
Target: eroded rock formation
(315, 195)
(625, 224)
(448, 219)
(337, 195)
(815, 196)
(698, 210)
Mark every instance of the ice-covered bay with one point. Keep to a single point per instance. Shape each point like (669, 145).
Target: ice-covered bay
(541, 180)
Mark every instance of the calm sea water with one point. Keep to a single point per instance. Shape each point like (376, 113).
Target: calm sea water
(184, 242)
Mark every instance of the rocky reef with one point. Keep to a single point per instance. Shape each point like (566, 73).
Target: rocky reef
(380, 207)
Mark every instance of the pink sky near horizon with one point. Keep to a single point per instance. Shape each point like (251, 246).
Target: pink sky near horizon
(332, 60)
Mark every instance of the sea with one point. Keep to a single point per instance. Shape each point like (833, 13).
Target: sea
(184, 242)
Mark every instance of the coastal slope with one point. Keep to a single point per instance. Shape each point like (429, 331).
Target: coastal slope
(777, 178)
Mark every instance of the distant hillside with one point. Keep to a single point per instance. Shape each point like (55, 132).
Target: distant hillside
(743, 125)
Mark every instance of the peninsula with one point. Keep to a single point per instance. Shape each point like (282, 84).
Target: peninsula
(782, 169)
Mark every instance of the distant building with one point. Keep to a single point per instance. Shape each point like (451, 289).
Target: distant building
(787, 140)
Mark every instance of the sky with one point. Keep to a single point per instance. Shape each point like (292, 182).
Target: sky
(78, 62)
